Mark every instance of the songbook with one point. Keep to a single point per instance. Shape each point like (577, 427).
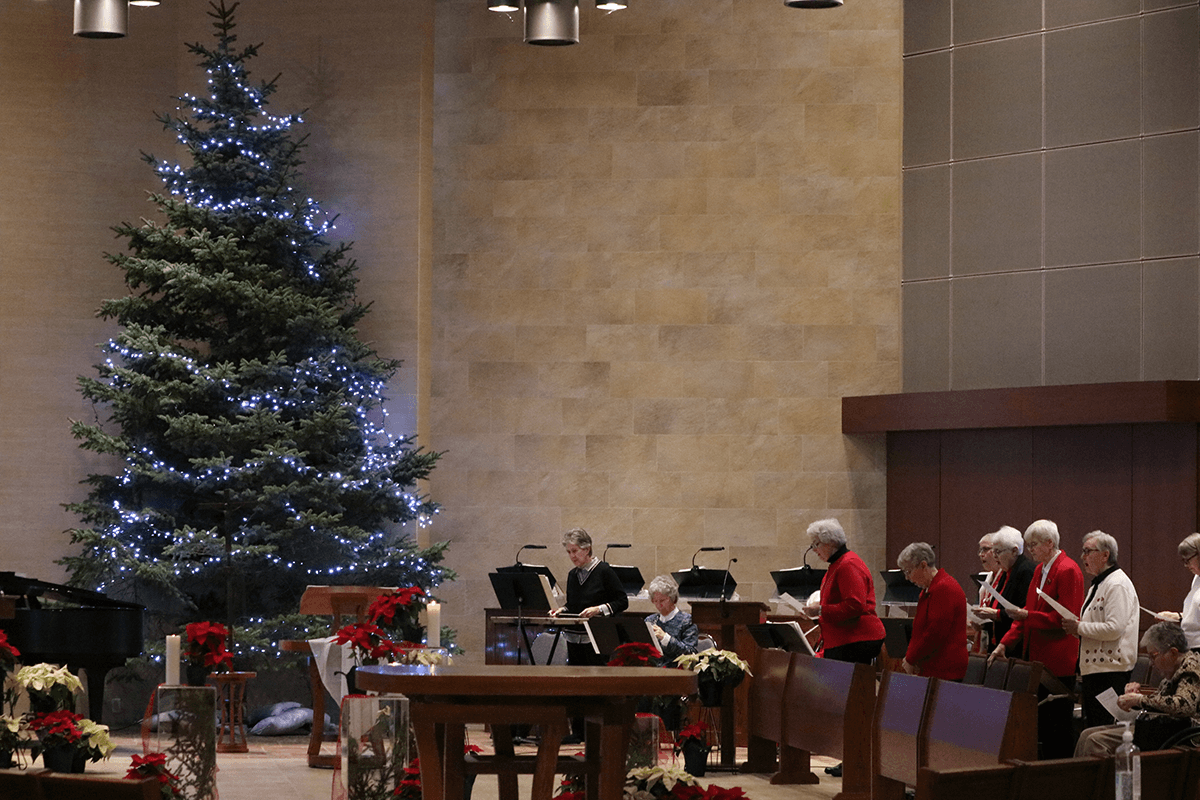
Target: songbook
(701, 583)
(797, 581)
(782, 636)
(1162, 616)
(609, 633)
(528, 591)
(796, 605)
(899, 589)
(1108, 699)
(1057, 606)
(1007, 605)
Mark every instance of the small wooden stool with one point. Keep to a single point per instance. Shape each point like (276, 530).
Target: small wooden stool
(231, 700)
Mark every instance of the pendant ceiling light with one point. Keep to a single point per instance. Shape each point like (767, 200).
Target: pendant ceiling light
(101, 19)
(812, 3)
(552, 22)
(504, 6)
(611, 5)
(144, 3)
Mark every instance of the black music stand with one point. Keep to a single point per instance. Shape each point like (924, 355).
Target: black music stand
(899, 589)
(896, 633)
(540, 569)
(799, 582)
(523, 591)
(700, 583)
(630, 578)
(781, 636)
(609, 633)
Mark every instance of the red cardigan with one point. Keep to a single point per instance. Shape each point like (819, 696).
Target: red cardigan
(1041, 632)
(848, 603)
(938, 648)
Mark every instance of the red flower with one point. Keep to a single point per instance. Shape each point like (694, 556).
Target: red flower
(154, 765)
(8, 653)
(696, 732)
(57, 723)
(634, 654)
(385, 606)
(206, 644)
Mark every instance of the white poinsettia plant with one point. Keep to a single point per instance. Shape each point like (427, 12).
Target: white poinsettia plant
(716, 665)
(641, 782)
(422, 656)
(48, 685)
(95, 739)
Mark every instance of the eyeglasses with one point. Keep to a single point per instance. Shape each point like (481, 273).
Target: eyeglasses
(1087, 550)
(983, 550)
(1185, 560)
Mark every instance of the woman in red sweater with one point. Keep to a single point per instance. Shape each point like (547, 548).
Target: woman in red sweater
(850, 629)
(938, 647)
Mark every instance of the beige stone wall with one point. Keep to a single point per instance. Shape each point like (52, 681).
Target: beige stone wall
(661, 257)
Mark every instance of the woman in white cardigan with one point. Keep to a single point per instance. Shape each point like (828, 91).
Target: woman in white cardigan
(1189, 620)
(1107, 627)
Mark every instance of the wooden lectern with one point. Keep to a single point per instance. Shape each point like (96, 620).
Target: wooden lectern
(722, 617)
(342, 603)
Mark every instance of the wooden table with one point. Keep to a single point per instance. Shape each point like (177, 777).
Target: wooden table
(442, 700)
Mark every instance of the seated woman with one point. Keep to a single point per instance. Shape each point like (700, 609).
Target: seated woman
(1178, 696)
(674, 630)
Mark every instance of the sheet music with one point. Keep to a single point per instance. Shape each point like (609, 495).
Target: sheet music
(1162, 616)
(1108, 699)
(1008, 605)
(551, 596)
(1057, 606)
(795, 604)
(803, 636)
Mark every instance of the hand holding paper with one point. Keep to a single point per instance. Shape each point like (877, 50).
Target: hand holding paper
(1006, 604)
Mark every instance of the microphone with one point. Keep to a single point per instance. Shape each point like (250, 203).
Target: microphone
(725, 577)
(703, 550)
(529, 547)
(610, 546)
(804, 558)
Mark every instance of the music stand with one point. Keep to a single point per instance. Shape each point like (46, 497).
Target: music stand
(799, 582)
(899, 589)
(609, 633)
(896, 633)
(630, 578)
(540, 569)
(523, 591)
(700, 583)
(782, 636)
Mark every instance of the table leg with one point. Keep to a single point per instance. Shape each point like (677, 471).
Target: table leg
(503, 744)
(429, 746)
(547, 761)
(453, 735)
(615, 730)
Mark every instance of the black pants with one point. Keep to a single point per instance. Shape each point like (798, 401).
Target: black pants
(1095, 684)
(1056, 735)
(855, 652)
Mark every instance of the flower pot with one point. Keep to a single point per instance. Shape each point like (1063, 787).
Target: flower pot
(352, 681)
(710, 693)
(64, 758)
(6, 759)
(196, 674)
(695, 757)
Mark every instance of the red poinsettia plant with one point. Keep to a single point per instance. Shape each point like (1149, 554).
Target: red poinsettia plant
(206, 644)
(400, 611)
(409, 786)
(696, 732)
(634, 654)
(369, 642)
(56, 728)
(8, 654)
(154, 765)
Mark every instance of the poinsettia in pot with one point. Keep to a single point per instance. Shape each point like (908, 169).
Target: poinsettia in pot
(67, 741)
(368, 643)
(400, 611)
(634, 654)
(154, 765)
(11, 730)
(715, 671)
(48, 686)
(206, 651)
(693, 743)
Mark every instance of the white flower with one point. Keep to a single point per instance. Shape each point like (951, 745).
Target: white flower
(43, 677)
(97, 737)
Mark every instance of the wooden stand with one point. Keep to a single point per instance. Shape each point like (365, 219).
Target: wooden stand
(725, 616)
(231, 702)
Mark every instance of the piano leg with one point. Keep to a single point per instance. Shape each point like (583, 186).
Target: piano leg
(94, 678)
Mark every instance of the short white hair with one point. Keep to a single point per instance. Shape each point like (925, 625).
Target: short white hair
(1007, 538)
(1042, 530)
(827, 531)
(1104, 543)
(914, 554)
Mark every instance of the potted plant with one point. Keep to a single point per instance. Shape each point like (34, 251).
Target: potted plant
(10, 739)
(692, 742)
(369, 644)
(58, 737)
(49, 687)
(400, 611)
(634, 654)
(95, 743)
(715, 670)
(206, 650)
(154, 765)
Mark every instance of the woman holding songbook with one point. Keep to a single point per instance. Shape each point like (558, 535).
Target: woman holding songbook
(1107, 626)
(674, 631)
(938, 647)
(592, 588)
(1037, 633)
(1189, 620)
(850, 628)
(1012, 580)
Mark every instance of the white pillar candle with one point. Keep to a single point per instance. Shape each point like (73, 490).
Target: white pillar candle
(433, 625)
(173, 660)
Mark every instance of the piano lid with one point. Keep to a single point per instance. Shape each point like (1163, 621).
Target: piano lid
(34, 591)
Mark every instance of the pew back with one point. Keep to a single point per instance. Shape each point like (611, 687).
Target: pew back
(977, 726)
(899, 721)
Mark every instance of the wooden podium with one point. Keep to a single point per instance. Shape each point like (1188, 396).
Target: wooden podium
(342, 603)
(722, 617)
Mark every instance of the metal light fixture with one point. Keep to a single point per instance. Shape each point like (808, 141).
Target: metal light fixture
(812, 3)
(611, 5)
(552, 22)
(143, 3)
(504, 6)
(101, 19)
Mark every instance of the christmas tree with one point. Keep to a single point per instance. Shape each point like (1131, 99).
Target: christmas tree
(247, 416)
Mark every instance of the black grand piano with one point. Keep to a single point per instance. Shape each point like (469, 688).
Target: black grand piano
(96, 633)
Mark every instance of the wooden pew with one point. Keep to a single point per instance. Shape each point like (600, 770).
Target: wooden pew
(976, 726)
(976, 668)
(897, 749)
(18, 784)
(765, 712)
(62, 786)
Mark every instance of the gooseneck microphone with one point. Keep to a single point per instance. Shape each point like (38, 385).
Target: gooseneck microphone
(704, 550)
(529, 547)
(612, 546)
